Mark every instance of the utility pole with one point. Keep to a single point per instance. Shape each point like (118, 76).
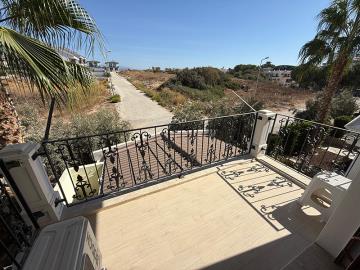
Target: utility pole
(258, 76)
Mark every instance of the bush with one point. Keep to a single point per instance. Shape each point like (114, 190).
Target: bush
(272, 142)
(103, 121)
(296, 134)
(115, 98)
(190, 78)
(196, 94)
(293, 136)
(311, 111)
(190, 111)
(344, 104)
(205, 83)
(340, 122)
(233, 85)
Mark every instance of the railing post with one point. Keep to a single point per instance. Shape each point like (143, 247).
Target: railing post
(262, 129)
(32, 181)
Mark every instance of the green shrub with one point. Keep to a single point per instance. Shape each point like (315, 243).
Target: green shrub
(272, 141)
(190, 78)
(311, 111)
(340, 122)
(293, 137)
(205, 83)
(343, 104)
(233, 85)
(190, 111)
(115, 98)
(103, 121)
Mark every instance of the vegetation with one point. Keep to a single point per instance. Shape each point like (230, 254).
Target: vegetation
(115, 98)
(340, 122)
(32, 32)
(292, 138)
(156, 86)
(310, 77)
(315, 77)
(335, 43)
(103, 121)
(77, 99)
(311, 111)
(248, 72)
(342, 104)
(205, 83)
(197, 110)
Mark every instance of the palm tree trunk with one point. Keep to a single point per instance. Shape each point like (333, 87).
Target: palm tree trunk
(332, 86)
(10, 130)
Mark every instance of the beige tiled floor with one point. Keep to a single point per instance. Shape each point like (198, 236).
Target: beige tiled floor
(241, 216)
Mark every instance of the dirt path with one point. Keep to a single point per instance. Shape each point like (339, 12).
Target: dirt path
(136, 107)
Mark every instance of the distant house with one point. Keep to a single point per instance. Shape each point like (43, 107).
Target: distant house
(267, 71)
(282, 77)
(112, 65)
(279, 74)
(93, 64)
(97, 70)
(71, 56)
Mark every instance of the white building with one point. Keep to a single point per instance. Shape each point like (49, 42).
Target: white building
(71, 56)
(112, 65)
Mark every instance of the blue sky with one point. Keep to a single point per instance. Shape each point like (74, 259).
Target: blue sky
(219, 33)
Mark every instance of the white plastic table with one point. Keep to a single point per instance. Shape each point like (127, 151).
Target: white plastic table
(326, 186)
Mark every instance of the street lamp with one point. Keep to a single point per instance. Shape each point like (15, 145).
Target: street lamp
(107, 60)
(257, 80)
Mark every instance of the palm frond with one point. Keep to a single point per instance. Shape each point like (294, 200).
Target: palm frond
(38, 65)
(355, 5)
(335, 18)
(56, 22)
(314, 52)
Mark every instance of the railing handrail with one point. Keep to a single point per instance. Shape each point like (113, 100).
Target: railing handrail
(97, 166)
(317, 123)
(144, 128)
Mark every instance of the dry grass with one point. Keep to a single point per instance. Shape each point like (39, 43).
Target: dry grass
(274, 96)
(79, 101)
(149, 82)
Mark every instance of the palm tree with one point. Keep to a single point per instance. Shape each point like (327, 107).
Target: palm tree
(32, 32)
(336, 43)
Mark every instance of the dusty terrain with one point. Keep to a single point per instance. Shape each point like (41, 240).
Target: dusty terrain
(276, 98)
(29, 104)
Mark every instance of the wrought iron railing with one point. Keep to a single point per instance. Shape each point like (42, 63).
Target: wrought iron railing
(89, 167)
(311, 147)
(18, 226)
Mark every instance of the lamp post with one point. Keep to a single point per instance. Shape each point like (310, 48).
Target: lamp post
(257, 80)
(107, 60)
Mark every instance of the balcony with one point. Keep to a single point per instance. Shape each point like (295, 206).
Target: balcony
(240, 215)
(217, 193)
